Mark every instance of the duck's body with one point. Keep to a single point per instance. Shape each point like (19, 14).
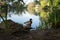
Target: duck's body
(28, 24)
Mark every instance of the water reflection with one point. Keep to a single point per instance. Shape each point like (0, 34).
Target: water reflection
(21, 18)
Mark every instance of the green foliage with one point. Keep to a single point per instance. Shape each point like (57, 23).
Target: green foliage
(11, 0)
(37, 2)
(4, 9)
(54, 13)
(18, 7)
(46, 8)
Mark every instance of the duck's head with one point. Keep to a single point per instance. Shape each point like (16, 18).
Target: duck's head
(30, 19)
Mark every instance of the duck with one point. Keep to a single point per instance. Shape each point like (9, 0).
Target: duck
(28, 24)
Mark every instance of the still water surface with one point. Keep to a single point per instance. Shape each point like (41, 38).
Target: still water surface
(21, 18)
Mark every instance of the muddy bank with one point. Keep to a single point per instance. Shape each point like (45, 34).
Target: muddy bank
(12, 26)
(51, 34)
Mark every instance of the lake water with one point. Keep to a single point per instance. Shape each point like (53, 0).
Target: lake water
(21, 18)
